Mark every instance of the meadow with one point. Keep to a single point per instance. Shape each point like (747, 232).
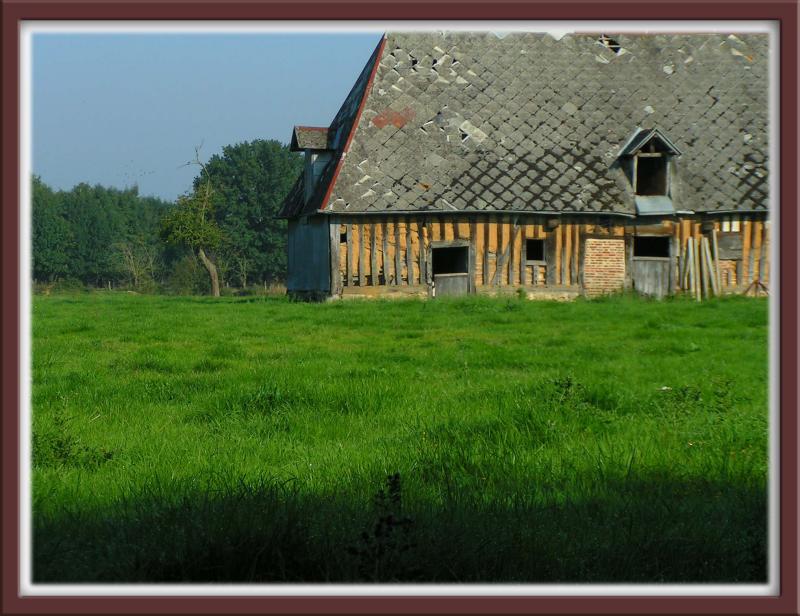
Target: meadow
(188, 439)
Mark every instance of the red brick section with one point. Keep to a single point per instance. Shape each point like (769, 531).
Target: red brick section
(603, 266)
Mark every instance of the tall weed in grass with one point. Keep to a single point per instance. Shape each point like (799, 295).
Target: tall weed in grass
(250, 439)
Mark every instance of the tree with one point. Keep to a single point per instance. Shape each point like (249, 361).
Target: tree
(251, 180)
(138, 258)
(191, 223)
(52, 235)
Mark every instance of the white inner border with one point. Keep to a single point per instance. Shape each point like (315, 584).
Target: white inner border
(556, 28)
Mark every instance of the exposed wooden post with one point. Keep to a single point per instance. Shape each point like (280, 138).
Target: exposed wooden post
(423, 275)
(373, 255)
(747, 251)
(523, 257)
(335, 237)
(409, 254)
(361, 229)
(385, 257)
(349, 263)
(511, 242)
(398, 264)
(486, 252)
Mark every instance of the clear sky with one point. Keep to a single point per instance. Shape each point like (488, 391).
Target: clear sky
(125, 109)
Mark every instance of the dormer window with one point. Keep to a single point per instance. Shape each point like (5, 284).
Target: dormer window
(647, 157)
(652, 172)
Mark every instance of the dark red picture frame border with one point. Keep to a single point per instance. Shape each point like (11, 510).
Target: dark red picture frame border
(784, 12)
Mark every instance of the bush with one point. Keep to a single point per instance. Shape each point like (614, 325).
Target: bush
(188, 277)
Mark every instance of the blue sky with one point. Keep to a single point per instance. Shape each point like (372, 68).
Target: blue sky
(125, 109)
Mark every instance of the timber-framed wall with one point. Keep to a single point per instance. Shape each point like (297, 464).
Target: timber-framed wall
(391, 254)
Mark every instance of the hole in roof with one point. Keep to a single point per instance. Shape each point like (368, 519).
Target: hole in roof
(610, 43)
(463, 135)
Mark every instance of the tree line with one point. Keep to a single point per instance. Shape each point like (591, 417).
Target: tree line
(99, 236)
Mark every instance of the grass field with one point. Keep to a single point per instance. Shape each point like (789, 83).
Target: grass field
(255, 439)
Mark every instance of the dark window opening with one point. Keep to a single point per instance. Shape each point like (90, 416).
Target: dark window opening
(343, 237)
(610, 43)
(647, 246)
(534, 250)
(451, 260)
(651, 175)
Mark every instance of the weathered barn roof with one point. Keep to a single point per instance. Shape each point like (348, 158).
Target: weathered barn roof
(467, 122)
(309, 138)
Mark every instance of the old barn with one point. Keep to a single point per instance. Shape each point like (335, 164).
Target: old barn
(582, 164)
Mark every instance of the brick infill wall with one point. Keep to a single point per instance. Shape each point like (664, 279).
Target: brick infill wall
(603, 266)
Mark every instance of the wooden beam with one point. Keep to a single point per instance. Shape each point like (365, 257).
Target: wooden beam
(349, 281)
(486, 233)
(511, 245)
(385, 256)
(423, 275)
(501, 260)
(398, 263)
(473, 242)
(409, 253)
(747, 253)
(335, 241)
(361, 228)
(756, 249)
(373, 255)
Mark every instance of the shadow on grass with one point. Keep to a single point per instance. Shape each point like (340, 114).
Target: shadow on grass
(642, 531)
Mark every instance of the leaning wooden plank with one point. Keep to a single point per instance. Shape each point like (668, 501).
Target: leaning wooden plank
(709, 263)
(696, 286)
(716, 261)
(704, 273)
(681, 267)
(690, 265)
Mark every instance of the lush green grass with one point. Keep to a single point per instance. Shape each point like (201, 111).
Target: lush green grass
(191, 439)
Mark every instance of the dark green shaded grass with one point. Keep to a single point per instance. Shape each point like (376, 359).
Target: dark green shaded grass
(190, 439)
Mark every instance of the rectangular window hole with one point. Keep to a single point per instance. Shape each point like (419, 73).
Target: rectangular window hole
(534, 250)
(451, 260)
(650, 246)
(651, 175)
